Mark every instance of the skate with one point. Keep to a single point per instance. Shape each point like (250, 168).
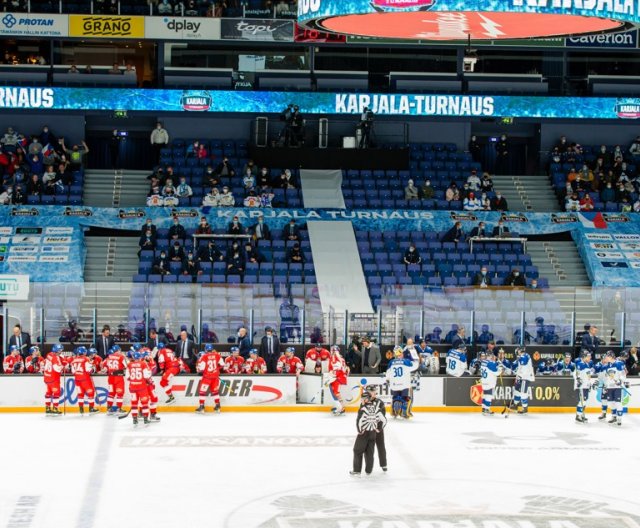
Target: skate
(384, 468)
(47, 411)
(619, 422)
(146, 420)
(339, 413)
(93, 410)
(170, 400)
(603, 416)
(112, 411)
(81, 410)
(487, 412)
(354, 473)
(584, 418)
(135, 422)
(580, 419)
(154, 418)
(216, 408)
(200, 409)
(524, 410)
(56, 412)
(613, 420)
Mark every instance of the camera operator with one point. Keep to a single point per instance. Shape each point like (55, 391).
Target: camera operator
(366, 127)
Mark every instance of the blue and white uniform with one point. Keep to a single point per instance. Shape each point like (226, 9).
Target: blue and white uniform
(582, 383)
(524, 379)
(601, 371)
(507, 366)
(544, 369)
(564, 367)
(615, 379)
(489, 372)
(456, 362)
(398, 376)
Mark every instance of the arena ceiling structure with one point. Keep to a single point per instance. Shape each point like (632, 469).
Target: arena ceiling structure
(459, 20)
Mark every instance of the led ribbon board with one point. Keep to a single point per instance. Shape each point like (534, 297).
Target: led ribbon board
(460, 19)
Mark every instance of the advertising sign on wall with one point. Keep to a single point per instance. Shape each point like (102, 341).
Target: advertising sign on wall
(98, 26)
(257, 29)
(182, 28)
(14, 287)
(34, 25)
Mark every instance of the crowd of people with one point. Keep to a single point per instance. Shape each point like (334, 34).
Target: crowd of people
(39, 164)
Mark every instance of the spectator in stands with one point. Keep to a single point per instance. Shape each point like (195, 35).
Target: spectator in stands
(260, 230)
(148, 224)
(18, 197)
(485, 202)
(410, 191)
(129, 69)
(482, 278)
(634, 149)
(201, 153)
(203, 227)
(474, 182)
(572, 203)
(251, 199)
(411, 255)
(561, 146)
(427, 192)
(475, 149)
(586, 203)
(115, 69)
(263, 179)
(471, 203)
(632, 362)
(235, 260)
(35, 164)
(165, 7)
(292, 231)
(295, 255)
(608, 194)
(499, 203)
(75, 155)
(500, 229)
(10, 138)
(235, 227)
(169, 191)
(502, 155)
(464, 192)
(226, 199)
(6, 196)
(176, 253)
(159, 140)
(486, 184)
(248, 181)
(147, 241)
(514, 278)
(452, 193)
(251, 166)
(73, 69)
(455, 234)
(184, 190)
(190, 266)
(252, 254)
(286, 180)
(625, 206)
(636, 205)
(209, 253)
(34, 187)
(224, 169)
(190, 8)
(88, 70)
(480, 231)
(35, 147)
(47, 137)
(622, 193)
(177, 230)
(534, 285)
(212, 198)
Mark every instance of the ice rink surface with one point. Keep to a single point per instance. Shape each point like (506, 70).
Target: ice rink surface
(285, 470)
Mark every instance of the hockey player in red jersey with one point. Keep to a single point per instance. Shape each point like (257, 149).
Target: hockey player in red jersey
(209, 365)
(316, 356)
(53, 368)
(115, 364)
(96, 361)
(153, 397)
(170, 367)
(254, 364)
(338, 372)
(288, 363)
(81, 368)
(34, 362)
(233, 364)
(139, 375)
(13, 363)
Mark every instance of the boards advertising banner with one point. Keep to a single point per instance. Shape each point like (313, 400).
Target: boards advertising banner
(103, 26)
(34, 25)
(182, 28)
(257, 29)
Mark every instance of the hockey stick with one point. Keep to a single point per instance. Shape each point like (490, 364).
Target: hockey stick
(507, 406)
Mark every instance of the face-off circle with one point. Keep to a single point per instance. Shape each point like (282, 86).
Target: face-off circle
(437, 25)
(455, 20)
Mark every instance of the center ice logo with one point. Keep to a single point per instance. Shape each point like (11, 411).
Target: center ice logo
(386, 6)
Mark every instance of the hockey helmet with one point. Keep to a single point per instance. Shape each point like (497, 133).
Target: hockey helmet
(81, 350)
(624, 354)
(290, 350)
(115, 348)
(92, 351)
(209, 347)
(136, 346)
(482, 354)
(34, 349)
(520, 350)
(585, 353)
(397, 351)
(335, 349)
(489, 354)
(13, 347)
(56, 349)
(136, 354)
(318, 345)
(611, 354)
(160, 345)
(235, 349)
(253, 351)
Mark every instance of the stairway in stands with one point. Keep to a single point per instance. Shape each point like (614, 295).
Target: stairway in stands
(560, 262)
(527, 193)
(106, 188)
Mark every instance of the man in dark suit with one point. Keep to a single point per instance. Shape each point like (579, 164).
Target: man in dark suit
(455, 234)
(210, 253)
(270, 349)
(291, 232)
(177, 230)
(260, 230)
(153, 339)
(515, 278)
(20, 339)
(479, 231)
(149, 225)
(370, 356)
(482, 279)
(187, 350)
(244, 342)
(105, 341)
(235, 227)
(500, 229)
(459, 339)
(590, 340)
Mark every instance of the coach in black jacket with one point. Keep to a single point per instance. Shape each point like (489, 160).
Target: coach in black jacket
(270, 349)
(20, 339)
(187, 350)
(105, 341)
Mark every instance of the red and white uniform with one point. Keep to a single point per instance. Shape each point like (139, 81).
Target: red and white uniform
(184, 367)
(209, 366)
(13, 364)
(338, 372)
(97, 363)
(233, 364)
(289, 365)
(139, 376)
(170, 366)
(35, 364)
(254, 366)
(53, 367)
(315, 357)
(115, 365)
(153, 397)
(81, 367)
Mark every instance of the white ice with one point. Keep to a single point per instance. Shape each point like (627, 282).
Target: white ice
(244, 470)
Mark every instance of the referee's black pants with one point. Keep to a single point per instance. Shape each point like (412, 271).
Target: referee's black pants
(364, 446)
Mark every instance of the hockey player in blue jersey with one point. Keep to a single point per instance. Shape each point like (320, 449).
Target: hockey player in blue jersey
(474, 366)
(489, 372)
(411, 352)
(544, 369)
(601, 370)
(564, 366)
(456, 361)
(507, 366)
(616, 382)
(398, 376)
(524, 379)
(582, 383)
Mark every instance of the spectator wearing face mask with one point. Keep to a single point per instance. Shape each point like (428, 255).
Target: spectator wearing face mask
(183, 190)
(411, 255)
(177, 230)
(482, 278)
(260, 230)
(248, 181)
(427, 191)
(486, 183)
(485, 203)
(471, 203)
(226, 199)
(225, 169)
(479, 231)
(514, 279)
(235, 227)
(634, 149)
(161, 265)
(410, 191)
(263, 179)
(475, 149)
(474, 182)
(502, 155)
(499, 203)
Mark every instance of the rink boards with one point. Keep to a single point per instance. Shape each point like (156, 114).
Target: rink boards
(279, 393)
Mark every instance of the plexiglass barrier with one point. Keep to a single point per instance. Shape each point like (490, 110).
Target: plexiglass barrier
(70, 312)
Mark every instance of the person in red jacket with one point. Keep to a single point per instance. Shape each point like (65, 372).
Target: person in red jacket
(53, 367)
(96, 361)
(153, 397)
(13, 363)
(34, 362)
(209, 365)
(81, 368)
(289, 363)
(233, 364)
(254, 364)
(316, 356)
(115, 364)
(338, 372)
(170, 367)
(139, 376)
